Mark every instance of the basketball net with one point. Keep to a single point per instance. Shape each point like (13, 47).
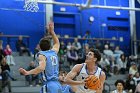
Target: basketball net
(31, 5)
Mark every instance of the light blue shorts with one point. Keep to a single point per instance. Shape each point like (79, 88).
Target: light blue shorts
(51, 87)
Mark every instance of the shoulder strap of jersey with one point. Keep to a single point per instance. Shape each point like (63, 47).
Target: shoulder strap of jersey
(81, 69)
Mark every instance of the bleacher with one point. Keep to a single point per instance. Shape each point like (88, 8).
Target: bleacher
(20, 85)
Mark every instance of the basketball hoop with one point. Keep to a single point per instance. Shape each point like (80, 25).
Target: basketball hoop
(31, 5)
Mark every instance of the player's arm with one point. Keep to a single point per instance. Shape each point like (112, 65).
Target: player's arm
(69, 78)
(56, 44)
(102, 79)
(40, 68)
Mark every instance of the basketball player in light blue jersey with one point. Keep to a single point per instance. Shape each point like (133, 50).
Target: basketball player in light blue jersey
(48, 64)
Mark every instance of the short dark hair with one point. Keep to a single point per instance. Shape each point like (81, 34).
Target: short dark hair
(120, 81)
(45, 44)
(97, 53)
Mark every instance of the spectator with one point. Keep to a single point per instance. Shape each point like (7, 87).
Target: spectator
(69, 46)
(133, 69)
(105, 65)
(87, 36)
(37, 49)
(98, 45)
(119, 87)
(72, 56)
(62, 56)
(77, 45)
(118, 51)
(9, 57)
(6, 75)
(130, 83)
(131, 60)
(137, 78)
(108, 52)
(6, 69)
(122, 63)
(114, 65)
(31, 78)
(63, 48)
(21, 47)
(1, 49)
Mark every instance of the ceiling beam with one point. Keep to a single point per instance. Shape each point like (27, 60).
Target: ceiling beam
(83, 6)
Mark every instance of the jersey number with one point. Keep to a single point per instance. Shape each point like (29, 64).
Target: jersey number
(54, 60)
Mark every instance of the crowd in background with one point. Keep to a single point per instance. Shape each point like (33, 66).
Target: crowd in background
(113, 62)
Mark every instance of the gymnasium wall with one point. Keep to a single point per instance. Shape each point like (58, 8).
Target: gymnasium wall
(107, 24)
(15, 21)
(138, 21)
(77, 21)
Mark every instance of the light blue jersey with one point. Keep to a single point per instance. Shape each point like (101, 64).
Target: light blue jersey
(67, 89)
(51, 72)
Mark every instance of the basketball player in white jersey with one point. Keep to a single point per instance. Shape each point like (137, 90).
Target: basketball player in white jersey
(81, 71)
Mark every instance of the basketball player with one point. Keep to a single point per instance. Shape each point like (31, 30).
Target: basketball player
(82, 71)
(48, 64)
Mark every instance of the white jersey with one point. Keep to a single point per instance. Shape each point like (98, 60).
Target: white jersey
(115, 91)
(82, 75)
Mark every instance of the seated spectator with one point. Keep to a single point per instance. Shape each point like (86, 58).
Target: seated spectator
(98, 45)
(62, 49)
(5, 83)
(37, 49)
(21, 47)
(9, 57)
(118, 51)
(31, 78)
(77, 45)
(6, 69)
(133, 68)
(105, 65)
(137, 78)
(119, 87)
(61, 53)
(108, 52)
(6, 75)
(114, 65)
(122, 63)
(72, 56)
(86, 49)
(69, 46)
(130, 83)
(1, 49)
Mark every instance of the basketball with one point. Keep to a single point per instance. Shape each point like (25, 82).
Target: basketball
(93, 82)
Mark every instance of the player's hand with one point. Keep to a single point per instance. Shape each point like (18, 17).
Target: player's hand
(50, 27)
(87, 78)
(23, 71)
(82, 82)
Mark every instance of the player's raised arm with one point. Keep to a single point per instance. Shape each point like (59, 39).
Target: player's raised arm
(56, 44)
